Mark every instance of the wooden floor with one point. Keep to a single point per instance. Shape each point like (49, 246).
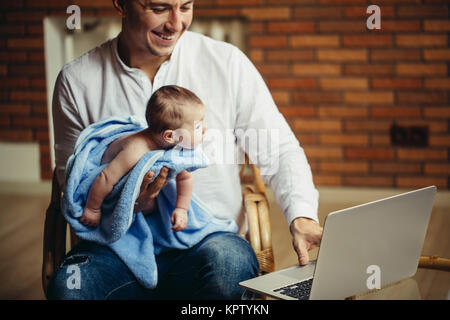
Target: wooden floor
(22, 220)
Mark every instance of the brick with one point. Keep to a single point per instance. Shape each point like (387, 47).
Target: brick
(256, 55)
(63, 4)
(436, 25)
(367, 126)
(380, 140)
(42, 135)
(420, 154)
(13, 56)
(13, 82)
(400, 26)
(323, 152)
(395, 167)
(256, 27)
(437, 168)
(368, 97)
(16, 135)
(422, 11)
(27, 70)
(33, 96)
(296, 2)
(421, 69)
(422, 97)
(238, 3)
(268, 41)
(37, 110)
(437, 83)
(292, 83)
(344, 167)
(303, 69)
(281, 97)
(344, 139)
(437, 112)
(342, 112)
(439, 141)
(318, 12)
(26, 43)
(298, 111)
(421, 40)
(341, 2)
(277, 13)
(433, 126)
(30, 122)
(342, 26)
(343, 83)
(317, 125)
(342, 55)
(369, 69)
(436, 54)
(15, 109)
(290, 27)
(93, 4)
(376, 40)
(288, 55)
(314, 41)
(216, 12)
(326, 179)
(12, 30)
(369, 181)
(369, 153)
(273, 69)
(306, 138)
(395, 112)
(396, 83)
(317, 97)
(359, 12)
(395, 54)
(420, 182)
(29, 16)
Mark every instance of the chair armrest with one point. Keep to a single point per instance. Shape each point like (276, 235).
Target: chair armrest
(434, 262)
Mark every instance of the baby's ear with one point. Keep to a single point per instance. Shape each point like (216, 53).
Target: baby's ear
(169, 136)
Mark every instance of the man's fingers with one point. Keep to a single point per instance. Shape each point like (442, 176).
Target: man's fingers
(303, 255)
(159, 182)
(147, 179)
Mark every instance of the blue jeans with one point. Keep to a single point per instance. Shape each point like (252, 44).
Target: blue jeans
(211, 269)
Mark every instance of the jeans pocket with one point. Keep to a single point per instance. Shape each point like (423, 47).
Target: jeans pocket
(75, 259)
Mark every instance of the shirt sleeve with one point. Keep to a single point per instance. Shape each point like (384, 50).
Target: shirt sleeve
(277, 153)
(66, 124)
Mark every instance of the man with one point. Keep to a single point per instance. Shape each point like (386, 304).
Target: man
(118, 78)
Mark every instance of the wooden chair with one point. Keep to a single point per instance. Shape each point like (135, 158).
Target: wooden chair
(259, 231)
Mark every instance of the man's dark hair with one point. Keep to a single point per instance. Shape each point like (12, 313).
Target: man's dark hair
(165, 109)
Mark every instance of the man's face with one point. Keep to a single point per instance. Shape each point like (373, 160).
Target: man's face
(157, 25)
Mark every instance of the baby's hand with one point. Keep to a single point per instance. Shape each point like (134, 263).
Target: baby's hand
(179, 219)
(91, 217)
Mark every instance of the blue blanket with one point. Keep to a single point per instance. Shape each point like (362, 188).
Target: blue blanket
(134, 238)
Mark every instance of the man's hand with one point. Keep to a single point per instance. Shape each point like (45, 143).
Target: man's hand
(306, 235)
(145, 201)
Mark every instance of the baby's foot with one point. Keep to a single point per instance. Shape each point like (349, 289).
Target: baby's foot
(91, 217)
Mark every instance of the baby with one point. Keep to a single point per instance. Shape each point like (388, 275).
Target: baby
(171, 110)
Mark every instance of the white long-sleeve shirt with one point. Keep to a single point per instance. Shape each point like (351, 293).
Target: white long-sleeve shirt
(239, 109)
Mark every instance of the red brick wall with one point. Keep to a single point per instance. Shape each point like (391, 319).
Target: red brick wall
(340, 85)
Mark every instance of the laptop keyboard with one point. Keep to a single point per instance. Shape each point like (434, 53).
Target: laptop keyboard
(300, 290)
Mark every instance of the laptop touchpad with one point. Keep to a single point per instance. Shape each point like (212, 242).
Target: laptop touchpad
(300, 272)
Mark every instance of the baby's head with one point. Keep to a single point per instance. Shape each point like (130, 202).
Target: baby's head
(176, 115)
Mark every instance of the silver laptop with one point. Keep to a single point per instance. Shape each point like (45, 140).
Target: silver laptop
(376, 243)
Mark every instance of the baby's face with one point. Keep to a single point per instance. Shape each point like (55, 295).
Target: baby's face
(193, 128)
